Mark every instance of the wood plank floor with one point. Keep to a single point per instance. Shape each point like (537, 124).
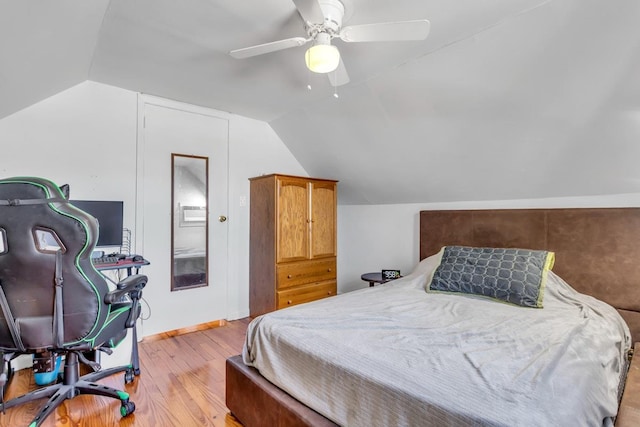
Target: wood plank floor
(181, 384)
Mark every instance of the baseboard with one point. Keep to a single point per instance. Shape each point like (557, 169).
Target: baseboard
(187, 330)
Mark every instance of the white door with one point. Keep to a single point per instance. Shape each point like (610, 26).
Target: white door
(168, 128)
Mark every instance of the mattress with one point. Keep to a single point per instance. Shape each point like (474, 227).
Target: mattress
(395, 355)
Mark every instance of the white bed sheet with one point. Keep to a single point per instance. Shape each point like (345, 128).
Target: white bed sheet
(395, 355)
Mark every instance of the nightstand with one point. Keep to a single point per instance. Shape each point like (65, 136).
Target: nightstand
(374, 278)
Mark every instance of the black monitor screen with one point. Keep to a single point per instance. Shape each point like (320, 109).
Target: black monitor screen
(109, 215)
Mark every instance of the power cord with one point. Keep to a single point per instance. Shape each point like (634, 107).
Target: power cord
(148, 308)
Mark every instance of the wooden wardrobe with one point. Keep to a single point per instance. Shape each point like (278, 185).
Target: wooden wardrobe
(292, 241)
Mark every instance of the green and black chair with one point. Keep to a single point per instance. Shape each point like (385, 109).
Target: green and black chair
(53, 301)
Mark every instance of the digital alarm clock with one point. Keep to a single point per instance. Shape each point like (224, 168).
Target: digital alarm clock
(390, 274)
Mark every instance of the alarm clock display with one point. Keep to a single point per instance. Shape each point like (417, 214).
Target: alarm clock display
(390, 274)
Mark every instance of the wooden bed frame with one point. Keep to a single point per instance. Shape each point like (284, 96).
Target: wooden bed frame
(597, 252)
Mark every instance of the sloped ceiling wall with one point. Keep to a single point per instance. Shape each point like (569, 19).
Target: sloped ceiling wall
(45, 48)
(505, 99)
(542, 104)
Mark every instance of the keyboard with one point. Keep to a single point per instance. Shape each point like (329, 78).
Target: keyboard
(105, 260)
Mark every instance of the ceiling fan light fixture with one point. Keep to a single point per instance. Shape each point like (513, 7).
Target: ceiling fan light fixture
(322, 58)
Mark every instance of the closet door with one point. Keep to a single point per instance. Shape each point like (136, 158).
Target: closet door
(168, 128)
(323, 219)
(293, 219)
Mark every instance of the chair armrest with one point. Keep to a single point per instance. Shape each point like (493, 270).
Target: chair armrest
(629, 411)
(131, 286)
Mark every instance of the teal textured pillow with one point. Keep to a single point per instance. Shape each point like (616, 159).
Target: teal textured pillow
(515, 276)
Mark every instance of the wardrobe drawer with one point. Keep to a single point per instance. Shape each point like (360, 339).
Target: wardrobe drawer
(300, 273)
(306, 293)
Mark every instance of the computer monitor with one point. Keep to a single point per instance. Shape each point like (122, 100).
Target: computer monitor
(110, 218)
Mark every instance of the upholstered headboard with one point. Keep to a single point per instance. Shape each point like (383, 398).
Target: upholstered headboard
(597, 249)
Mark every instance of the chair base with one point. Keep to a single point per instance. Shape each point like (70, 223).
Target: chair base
(72, 386)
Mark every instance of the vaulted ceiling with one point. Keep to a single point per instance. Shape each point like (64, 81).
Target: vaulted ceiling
(505, 99)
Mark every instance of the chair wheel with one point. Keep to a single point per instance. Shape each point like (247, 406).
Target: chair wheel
(128, 376)
(127, 408)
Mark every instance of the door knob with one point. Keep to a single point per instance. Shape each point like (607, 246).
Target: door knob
(222, 218)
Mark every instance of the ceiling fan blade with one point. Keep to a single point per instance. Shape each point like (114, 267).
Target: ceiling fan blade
(340, 76)
(310, 11)
(387, 31)
(260, 49)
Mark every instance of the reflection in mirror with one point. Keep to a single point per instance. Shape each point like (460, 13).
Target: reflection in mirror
(3, 241)
(190, 225)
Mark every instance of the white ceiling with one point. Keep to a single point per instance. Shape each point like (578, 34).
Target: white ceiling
(505, 99)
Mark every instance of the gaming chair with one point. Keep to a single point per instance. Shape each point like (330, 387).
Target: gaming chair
(53, 302)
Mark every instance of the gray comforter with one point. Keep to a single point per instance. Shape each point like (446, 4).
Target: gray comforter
(395, 355)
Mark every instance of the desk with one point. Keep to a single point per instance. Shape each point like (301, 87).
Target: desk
(127, 264)
(120, 265)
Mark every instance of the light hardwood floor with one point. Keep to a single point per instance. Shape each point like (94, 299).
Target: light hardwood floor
(182, 383)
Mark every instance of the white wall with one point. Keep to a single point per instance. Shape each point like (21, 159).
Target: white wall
(86, 137)
(254, 150)
(373, 237)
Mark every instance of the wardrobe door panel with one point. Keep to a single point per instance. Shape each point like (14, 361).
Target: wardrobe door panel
(323, 219)
(293, 227)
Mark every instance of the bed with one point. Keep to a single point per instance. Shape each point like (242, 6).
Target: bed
(189, 267)
(595, 252)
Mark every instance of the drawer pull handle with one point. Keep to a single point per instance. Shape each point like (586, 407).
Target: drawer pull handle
(329, 293)
(328, 270)
(288, 276)
(289, 302)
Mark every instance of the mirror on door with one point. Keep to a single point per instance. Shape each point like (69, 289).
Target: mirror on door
(190, 223)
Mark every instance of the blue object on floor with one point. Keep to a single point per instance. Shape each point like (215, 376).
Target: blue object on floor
(44, 378)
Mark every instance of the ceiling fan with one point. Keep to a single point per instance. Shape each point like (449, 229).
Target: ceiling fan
(323, 22)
